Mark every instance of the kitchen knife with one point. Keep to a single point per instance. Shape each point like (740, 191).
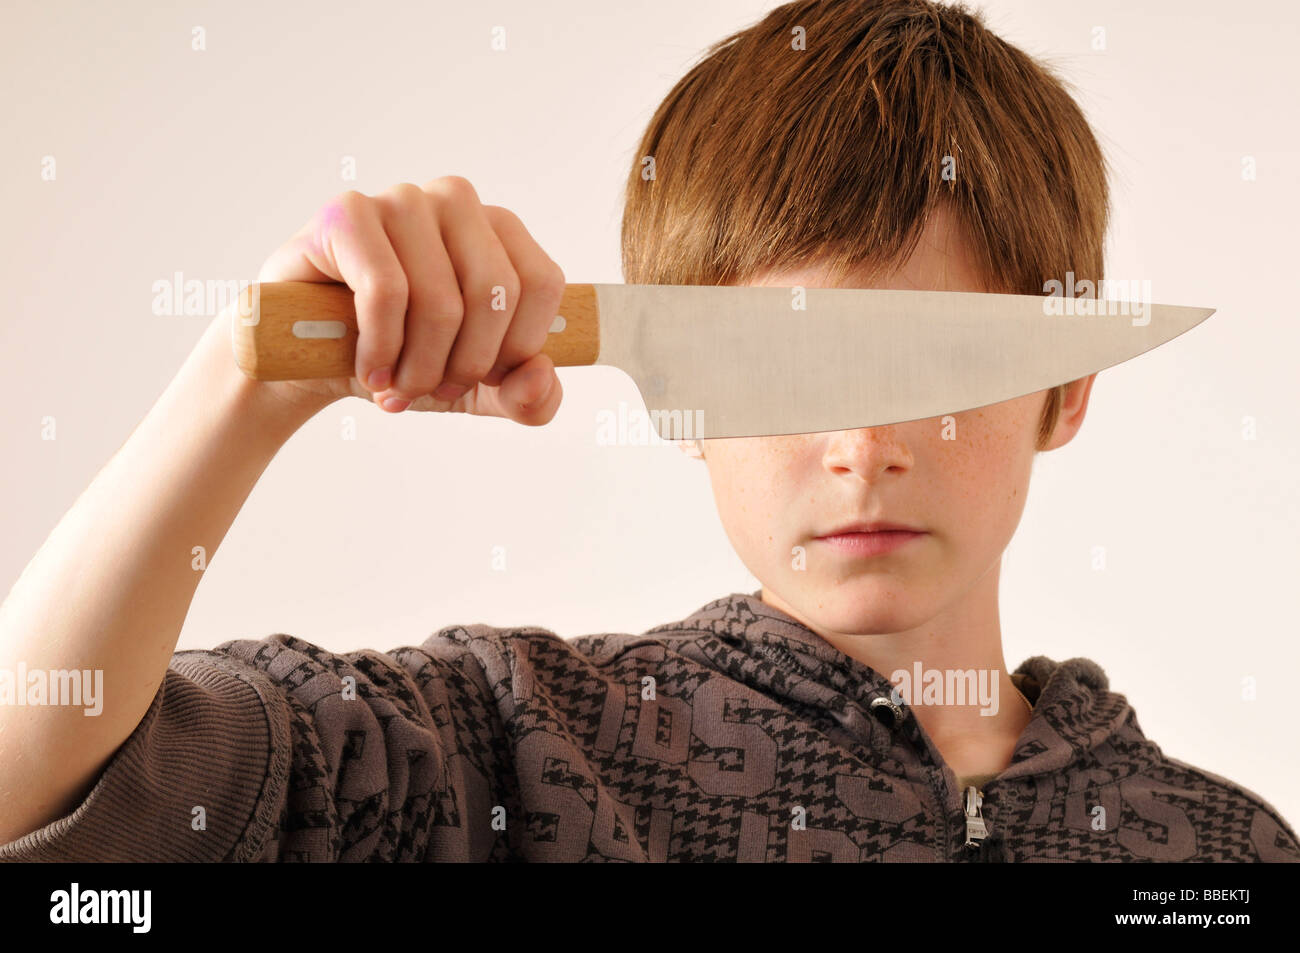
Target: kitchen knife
(741, 361)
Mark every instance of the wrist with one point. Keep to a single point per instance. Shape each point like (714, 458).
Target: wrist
(267, 405)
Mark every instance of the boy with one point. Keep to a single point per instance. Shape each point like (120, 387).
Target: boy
(815, 148)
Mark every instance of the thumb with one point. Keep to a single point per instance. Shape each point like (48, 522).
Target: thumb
(530, 394)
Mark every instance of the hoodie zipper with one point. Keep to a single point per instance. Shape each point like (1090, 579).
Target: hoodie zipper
(976, 829)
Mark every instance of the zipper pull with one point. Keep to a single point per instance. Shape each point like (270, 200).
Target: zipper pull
(976, 830)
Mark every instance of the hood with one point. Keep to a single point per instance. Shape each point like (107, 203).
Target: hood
(1075, 723)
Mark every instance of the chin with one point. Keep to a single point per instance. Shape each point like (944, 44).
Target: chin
(862, 607)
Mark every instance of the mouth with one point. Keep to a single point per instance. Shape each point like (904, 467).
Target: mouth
(871, 539)
(876, 527)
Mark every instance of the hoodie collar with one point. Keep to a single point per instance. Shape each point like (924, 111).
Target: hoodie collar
(1074, 712)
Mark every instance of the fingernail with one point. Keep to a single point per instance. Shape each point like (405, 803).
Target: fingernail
(449, 391)
(395, 404)
(380, 378)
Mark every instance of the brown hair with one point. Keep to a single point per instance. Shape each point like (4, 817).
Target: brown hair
(768, 156)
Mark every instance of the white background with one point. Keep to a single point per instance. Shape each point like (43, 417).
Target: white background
(203, 162)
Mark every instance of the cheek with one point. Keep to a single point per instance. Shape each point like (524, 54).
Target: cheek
(985, 470)
(752, 485)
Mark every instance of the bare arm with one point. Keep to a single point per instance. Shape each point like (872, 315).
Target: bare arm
(110, 588)
(112, 584)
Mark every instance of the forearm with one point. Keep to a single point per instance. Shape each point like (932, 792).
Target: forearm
(110, 588)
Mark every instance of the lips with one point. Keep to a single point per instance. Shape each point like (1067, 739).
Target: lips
(869, 540)
(876, 527)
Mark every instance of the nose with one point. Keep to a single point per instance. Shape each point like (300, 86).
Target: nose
(867, 452)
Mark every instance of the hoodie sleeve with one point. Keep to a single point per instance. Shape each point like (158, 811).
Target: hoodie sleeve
(277, 750)
(1240, 825)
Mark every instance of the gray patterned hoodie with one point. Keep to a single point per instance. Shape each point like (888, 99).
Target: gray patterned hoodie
(736, 733)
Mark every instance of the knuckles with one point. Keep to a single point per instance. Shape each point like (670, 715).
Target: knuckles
(384, 287)
(404, 195)
(387, 291)
(470, 370)
(548, 283)
(351, 204)
(455, 188)
(447, 310)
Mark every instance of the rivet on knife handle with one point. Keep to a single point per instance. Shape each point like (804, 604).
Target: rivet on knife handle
(303, 330)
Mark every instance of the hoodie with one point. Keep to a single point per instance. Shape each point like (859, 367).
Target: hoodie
(735, 734)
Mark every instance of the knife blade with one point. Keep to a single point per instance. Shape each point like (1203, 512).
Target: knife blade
(743, 361)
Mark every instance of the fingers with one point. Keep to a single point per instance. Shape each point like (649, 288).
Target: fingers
(530, 394)
(346, 241)
(371, 268)
(489, 284)
(434, 310)
(541, 290)
(450, 294)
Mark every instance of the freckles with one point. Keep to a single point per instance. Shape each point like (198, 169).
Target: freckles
(991, 442)
(982, 469)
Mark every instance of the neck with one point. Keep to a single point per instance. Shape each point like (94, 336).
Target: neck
(965, 637)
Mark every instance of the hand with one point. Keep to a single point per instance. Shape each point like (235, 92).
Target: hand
(427, 266)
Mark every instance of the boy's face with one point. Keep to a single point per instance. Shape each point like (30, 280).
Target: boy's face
(777, 495)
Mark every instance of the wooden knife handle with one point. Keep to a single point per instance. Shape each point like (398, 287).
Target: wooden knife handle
(301, 330)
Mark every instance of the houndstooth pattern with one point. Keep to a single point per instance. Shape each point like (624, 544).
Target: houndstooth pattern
(704, 739)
